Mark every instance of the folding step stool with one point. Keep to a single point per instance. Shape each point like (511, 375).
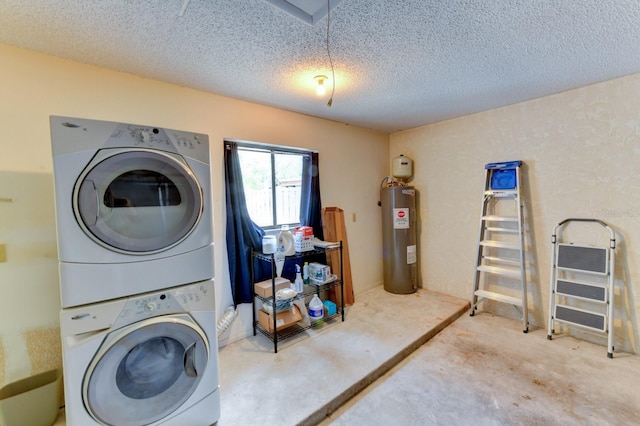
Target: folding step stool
(581, 290)
(501, 239)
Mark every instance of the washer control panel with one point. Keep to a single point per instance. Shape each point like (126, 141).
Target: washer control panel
(193, 297)
(118, 313)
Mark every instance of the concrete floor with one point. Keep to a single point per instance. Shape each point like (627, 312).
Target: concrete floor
(316, 372)
(420, 359)
(485, 371)
(480, 370)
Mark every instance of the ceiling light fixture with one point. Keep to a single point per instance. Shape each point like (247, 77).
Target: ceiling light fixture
(321, 89)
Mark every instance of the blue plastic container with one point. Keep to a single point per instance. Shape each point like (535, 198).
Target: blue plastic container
(503, 175)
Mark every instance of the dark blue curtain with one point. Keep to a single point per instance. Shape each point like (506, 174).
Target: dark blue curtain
(310, 203)
(242, 233)
(310, 212)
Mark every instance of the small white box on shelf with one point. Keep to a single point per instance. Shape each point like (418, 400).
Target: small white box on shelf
(318, 272)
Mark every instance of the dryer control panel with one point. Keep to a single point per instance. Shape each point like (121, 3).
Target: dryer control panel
(78, 134)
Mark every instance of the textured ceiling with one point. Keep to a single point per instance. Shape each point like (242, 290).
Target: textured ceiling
(398, 64)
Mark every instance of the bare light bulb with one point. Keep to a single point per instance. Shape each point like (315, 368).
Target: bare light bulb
(321, 89)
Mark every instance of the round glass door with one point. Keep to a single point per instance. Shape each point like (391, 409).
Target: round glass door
(138, 201)
(146, 371)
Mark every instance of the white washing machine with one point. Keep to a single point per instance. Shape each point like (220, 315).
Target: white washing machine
(150, 359)
(133, 208)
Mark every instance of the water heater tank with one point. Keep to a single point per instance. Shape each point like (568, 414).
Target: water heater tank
(402, 167)
(399, 239)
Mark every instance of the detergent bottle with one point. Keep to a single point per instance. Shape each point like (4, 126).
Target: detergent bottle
(286, 246)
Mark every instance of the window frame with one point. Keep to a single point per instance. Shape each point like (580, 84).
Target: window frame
(272, 149)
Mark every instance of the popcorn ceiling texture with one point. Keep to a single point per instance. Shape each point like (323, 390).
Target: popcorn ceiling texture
(398, 64)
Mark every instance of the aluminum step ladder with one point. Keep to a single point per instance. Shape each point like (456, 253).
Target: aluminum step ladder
(582, 278)
(501, 253)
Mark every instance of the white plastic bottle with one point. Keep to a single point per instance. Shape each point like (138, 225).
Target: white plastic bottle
(316, 308)
(298, 283)
(286, 246)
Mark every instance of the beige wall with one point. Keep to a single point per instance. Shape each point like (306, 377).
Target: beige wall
(34, 86)
(581, 151)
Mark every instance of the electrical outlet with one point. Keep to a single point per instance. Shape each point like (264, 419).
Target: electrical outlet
(3, 253)
(353, 217)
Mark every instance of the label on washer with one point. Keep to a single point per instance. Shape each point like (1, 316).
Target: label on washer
(401, 218)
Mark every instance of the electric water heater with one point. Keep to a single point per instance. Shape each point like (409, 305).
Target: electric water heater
(399, 239)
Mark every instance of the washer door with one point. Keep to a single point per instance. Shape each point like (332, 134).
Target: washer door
(145, 371)
(137, 201)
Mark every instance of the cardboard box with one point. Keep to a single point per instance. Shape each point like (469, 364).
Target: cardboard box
(284, 319)
(305, 231)
(263, 288)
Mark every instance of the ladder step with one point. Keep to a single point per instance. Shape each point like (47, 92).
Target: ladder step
(502, 260)
(503, 193)
(498, 297)
(591, 291)
(495, 218)
(507, 272)
(500, 244)
(593, 320)
(505, 230)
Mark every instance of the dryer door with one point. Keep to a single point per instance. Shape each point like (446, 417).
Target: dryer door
(144, 372)
(137, 201)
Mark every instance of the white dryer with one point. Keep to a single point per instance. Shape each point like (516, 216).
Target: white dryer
(133, 208)
(143, 360)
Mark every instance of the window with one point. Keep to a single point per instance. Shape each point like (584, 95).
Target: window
(272, 179)
(291, 180)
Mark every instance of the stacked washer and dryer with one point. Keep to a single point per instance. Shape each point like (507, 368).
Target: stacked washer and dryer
(135, 246)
